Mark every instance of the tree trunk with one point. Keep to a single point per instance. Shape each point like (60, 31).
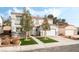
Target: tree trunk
(28, 33)
(45, 34)
(27, 36)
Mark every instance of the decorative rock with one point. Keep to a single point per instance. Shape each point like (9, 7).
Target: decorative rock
(0, 41)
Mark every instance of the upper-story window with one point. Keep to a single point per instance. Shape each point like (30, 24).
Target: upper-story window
(50, 21)
(18, 19)
(37, 21)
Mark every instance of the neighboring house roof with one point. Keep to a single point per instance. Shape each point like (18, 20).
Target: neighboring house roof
(63, 25)
(7, 28)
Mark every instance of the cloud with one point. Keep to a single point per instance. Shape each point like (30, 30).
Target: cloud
(8, 13)
(3, 15)
(17, 10)
(53, 11)
(34, 12)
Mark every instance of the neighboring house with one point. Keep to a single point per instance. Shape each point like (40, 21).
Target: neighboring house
(1, 24)
(61, 29)
(70, 30)
(6, 30)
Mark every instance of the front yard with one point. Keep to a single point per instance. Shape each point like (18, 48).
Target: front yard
(47, 40)
(29, 41)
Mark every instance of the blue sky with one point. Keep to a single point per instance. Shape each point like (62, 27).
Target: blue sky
(70, 14)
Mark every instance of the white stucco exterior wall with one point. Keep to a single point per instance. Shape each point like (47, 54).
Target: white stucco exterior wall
(1, 21)
(1, 24)
(50, 21)
(13, 20)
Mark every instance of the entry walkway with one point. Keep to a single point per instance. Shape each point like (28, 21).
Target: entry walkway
(38, 41)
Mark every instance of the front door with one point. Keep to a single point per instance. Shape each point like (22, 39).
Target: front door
(78, 32)
(38, 31)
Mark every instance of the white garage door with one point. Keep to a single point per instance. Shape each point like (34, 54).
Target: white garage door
(69, 32)
(51, 33)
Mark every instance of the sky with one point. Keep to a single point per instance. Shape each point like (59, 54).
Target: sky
(71, 14)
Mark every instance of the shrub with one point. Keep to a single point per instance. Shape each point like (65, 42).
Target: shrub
(16, 40)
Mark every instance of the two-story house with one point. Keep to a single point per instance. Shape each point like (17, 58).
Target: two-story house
(15, 23)
(37, 21)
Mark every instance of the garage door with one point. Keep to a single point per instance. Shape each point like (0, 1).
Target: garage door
(69, 32)
(51, 33)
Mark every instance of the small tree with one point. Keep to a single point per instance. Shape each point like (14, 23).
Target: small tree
(7, 22)
(26, 22)
(45, 26)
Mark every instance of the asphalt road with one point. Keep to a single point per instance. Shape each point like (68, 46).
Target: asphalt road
(67, 48)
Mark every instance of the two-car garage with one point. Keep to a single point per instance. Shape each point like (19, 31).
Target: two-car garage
(52, 32)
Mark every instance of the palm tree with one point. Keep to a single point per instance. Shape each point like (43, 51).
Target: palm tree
(63, 20)
(45, 25)
(7, 22)
(26, 22)
(55, 20)
(50, 16)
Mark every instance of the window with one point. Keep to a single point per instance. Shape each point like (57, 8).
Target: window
(18, 30)
(18, 19)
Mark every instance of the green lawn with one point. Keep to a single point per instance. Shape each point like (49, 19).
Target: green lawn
(47, 40)
(29, 42)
